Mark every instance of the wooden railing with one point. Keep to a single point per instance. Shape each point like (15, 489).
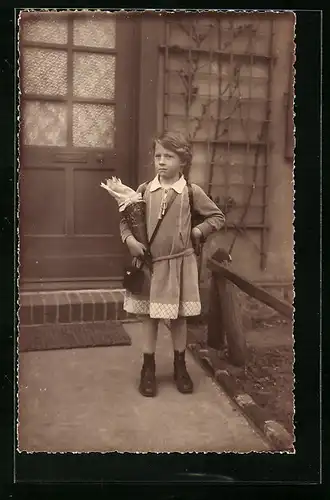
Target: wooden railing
(225, 325)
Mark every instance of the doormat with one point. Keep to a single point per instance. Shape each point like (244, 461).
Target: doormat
(72, 336)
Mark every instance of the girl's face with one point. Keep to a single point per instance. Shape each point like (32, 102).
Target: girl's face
(167, 163)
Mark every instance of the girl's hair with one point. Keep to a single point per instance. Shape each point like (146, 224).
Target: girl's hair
(178, 143)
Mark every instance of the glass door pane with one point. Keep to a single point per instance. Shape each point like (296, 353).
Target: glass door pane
(44, 123)
(44, 71)
(94, 31)
(94, 75)
(42, 27)
(93, 125)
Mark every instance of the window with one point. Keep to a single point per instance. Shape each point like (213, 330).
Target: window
(67, 79)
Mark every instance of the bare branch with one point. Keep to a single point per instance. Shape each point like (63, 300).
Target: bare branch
(232, 89)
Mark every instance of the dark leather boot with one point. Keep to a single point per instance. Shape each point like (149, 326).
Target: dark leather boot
(182, 379)
(148, 385)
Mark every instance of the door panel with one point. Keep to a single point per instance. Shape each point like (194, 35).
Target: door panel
(74, 268)
(60, 255)
(48, 192)
(55, 246)
(87, 194)
(77, 77)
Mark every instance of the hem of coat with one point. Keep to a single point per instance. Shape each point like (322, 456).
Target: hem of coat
(157, 310)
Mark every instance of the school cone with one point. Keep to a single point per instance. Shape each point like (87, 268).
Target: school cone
(132, 207)
(135, 216)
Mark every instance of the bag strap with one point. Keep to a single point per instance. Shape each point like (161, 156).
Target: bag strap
(191, 198)
(191, 204)
(142, 191)
(160, 220)
(155, 231)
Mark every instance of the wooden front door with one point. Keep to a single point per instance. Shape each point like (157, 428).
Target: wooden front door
(77, 80)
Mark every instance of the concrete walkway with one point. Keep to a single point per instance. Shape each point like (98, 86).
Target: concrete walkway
(87, 400)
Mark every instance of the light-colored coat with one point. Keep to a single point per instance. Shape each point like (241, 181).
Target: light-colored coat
(172, 289)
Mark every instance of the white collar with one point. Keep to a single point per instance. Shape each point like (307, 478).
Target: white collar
(178, 186)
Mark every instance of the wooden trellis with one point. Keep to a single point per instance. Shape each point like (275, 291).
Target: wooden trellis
(217, 87)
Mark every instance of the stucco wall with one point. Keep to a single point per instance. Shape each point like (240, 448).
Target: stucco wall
(279, 211)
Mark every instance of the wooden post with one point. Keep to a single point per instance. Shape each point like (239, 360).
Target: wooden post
(215, 327)
(232, 321)
(230, 316)
(225, 321)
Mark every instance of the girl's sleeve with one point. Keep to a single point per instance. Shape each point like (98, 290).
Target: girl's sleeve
(125, 231)
(214, 218)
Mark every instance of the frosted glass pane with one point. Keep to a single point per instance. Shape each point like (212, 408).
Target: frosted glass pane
(44, 123)
(92, 32)
(94, 75)
(44, 72)
(93, 125)
(51, 29)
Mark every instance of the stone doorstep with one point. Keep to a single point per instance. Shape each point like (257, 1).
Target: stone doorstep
(39, 308)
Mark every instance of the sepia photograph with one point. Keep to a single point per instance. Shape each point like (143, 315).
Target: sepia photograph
(156, 231)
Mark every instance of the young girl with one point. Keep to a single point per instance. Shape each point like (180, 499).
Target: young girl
(173, 293)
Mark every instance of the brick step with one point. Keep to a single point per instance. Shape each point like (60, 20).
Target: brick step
(39, 308)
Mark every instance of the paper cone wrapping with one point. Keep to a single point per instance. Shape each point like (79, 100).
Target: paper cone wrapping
(135, 216)
(124, 195)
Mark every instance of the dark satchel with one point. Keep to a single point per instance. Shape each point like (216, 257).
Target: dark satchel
(134, 278)
(134, 275)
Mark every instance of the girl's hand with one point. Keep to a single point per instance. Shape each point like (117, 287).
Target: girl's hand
(196, 234)
(135, 248)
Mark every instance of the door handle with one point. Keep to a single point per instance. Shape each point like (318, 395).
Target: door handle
(100, 158)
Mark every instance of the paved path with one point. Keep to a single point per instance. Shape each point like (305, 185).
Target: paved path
(87, 400)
